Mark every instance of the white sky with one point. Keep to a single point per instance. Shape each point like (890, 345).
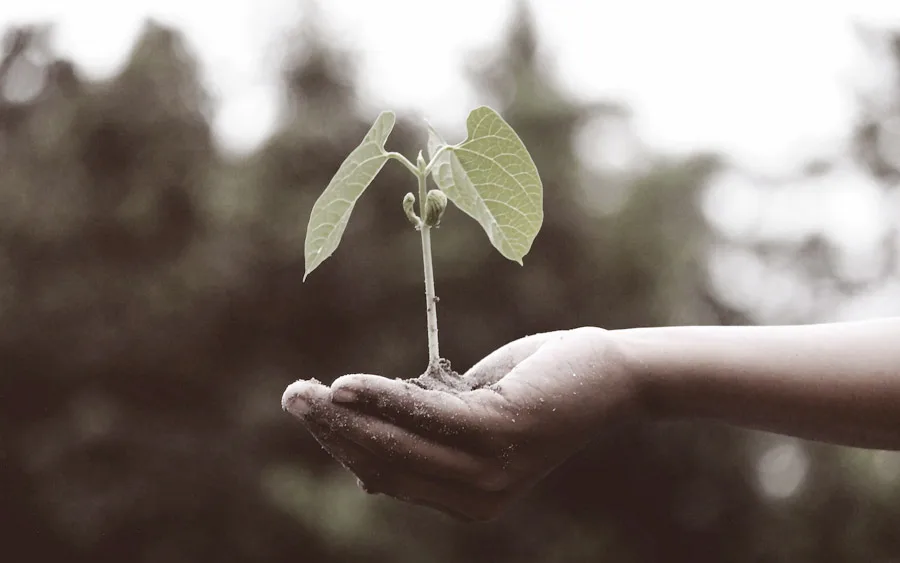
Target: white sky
(767, 81)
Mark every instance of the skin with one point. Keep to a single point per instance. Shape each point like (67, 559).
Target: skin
(470, 455)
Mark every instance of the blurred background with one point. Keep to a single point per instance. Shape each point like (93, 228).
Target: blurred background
(702, 164)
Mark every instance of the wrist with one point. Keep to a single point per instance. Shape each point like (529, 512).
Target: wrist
(620, 374)
(639, 354)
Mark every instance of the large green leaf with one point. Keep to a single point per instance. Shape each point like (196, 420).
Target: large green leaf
(492, 178)
(331, 211)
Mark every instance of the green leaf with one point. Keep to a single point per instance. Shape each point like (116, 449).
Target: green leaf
(492, 178)
(331, 211)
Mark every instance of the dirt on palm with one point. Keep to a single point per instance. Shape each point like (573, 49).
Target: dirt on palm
(442, 378)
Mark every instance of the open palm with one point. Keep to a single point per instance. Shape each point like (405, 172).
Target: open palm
(539, 400)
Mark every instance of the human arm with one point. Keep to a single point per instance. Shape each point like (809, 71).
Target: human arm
(837, 383)
(548, 395)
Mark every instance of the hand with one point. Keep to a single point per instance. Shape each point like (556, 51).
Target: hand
(542, 398)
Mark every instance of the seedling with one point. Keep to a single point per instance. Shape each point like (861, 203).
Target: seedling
(490, 176)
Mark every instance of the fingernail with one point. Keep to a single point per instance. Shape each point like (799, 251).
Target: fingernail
(297, 406)
(343, 395)
(293, 402)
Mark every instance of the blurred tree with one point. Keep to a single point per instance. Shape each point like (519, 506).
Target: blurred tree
(152, 310)
(117, 443)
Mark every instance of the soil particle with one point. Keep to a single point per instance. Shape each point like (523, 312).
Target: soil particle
(443, 378)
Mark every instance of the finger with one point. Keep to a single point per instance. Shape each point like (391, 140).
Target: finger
(466, 422)
(398, 445)
(501, 361)
(371, 472)
(299, 397)
(434, 413)
(421, 455)
(428, 412)
(375, 476)
(352, 457)
(310, 401)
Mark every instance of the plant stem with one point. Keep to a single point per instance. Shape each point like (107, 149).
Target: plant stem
(404, 161)
(434, 354)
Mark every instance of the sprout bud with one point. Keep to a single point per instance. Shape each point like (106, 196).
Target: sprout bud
(435, 204)
(408, 201)
(420, 162)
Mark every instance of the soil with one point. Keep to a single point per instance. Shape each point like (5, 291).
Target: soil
(443, 378)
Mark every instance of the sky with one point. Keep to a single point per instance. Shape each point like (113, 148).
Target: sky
(770, 83)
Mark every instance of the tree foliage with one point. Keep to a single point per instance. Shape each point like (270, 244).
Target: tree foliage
(152, 311)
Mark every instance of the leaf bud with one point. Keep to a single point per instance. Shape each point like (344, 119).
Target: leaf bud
(435, 204)
(408, 201)
(420, 162)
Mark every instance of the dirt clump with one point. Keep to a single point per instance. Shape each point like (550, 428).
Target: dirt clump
(442, 378)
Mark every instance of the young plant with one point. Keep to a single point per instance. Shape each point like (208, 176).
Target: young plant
(490, 176)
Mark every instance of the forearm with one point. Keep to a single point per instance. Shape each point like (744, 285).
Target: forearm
(837, 383)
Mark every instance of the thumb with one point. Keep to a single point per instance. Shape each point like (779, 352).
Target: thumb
(531, 380)
(571, 379)
(503, 360)
(558, 374)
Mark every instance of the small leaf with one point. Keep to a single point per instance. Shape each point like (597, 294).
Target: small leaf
(331, 211)
(492, 178)
(435, 205)
(408, 201)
